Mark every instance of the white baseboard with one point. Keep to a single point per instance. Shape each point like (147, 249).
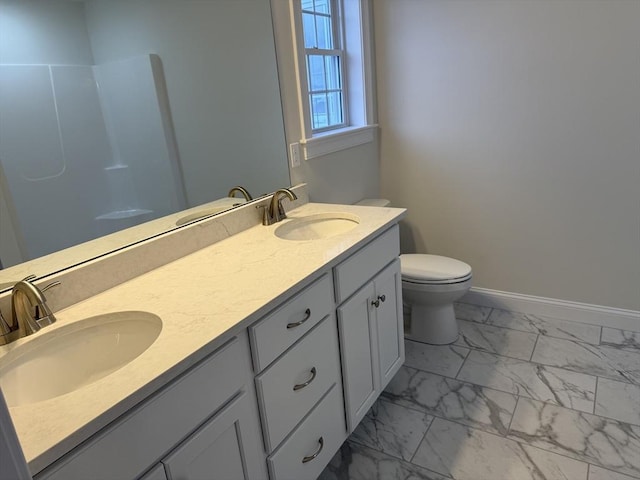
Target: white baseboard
(551, 307)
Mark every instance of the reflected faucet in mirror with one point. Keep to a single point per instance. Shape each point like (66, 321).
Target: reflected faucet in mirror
(242, 190)
(29, 311)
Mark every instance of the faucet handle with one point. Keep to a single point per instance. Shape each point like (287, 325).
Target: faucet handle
(281, 212)
(51, 285)
(7, 333)
(5, 329)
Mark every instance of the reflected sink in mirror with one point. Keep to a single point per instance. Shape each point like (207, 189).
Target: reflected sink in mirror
(75, 355)
(199, 214)
(314, 227)
(224, 205)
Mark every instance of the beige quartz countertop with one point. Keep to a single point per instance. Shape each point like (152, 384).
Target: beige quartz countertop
(202, 299)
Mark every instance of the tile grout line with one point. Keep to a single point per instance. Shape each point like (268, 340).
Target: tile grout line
(471, 347)
(548, 449)
(421, 440)
(586, 346)
(462, 364)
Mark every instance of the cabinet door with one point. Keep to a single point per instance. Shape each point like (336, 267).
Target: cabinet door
(388, 291)
(358, 334)
(228, 446)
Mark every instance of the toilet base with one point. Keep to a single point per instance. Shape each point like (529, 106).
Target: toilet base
(433, 324)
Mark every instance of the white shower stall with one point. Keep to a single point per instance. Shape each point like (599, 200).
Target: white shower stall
(85, 150)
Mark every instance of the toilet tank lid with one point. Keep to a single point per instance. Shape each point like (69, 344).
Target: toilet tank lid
(374, 202)
(417, 266)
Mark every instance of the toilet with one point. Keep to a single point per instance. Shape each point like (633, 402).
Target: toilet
(430, 285)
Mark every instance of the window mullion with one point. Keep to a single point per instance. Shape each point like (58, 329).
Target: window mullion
(323, 52)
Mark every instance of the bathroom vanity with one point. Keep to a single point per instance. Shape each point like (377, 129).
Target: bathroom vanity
(271, 352)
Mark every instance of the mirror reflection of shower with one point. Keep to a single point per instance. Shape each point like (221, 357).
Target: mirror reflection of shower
(85, 150)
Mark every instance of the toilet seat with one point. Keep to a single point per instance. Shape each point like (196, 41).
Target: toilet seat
(433, 269)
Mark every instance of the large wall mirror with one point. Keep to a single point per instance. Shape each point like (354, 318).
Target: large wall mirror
(116, 114)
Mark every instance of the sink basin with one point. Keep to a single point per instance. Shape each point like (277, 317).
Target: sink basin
(70, 357)
(313, 227)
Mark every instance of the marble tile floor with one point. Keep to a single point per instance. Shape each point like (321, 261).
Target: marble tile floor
(517, 397)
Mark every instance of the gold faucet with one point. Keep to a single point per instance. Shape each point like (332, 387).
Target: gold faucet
(29, 311)
(242, 190)
(275, 211)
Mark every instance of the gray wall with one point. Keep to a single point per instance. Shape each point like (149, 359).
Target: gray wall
(511, 132)
(227, 118)
(341, 177)
(44, 32)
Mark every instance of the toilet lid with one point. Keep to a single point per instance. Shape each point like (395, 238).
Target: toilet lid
(418, 268)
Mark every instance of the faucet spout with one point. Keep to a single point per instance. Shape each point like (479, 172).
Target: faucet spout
(275, 212)
(247, 196)
(29, 309)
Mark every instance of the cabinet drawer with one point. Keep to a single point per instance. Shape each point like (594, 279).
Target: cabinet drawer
(290, 388)
(138, 439)
(355, 271)
(321, 433)
(272, 335)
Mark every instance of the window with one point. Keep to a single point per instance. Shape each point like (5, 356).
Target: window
(332, 56)
(324, 61)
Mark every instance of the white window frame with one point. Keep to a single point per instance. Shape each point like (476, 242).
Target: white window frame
(358, 75)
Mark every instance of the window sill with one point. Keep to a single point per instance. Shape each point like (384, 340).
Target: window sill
(336, 140)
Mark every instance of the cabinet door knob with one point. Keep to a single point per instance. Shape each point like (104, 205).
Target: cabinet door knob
(317, 452)
(307, 315)
(377, 301)
(302, 385)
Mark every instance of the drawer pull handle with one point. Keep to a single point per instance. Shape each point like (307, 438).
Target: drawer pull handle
(376, 302)
(307, 315)
(302, 385)
(311, 457)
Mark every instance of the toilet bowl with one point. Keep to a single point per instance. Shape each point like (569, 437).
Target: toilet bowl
(430, 285)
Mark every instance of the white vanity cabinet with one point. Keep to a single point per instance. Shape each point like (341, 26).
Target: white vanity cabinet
(370, 323)
(276, 399)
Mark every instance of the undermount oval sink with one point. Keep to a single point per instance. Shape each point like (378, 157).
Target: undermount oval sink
(314, 227)
(76, 355)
